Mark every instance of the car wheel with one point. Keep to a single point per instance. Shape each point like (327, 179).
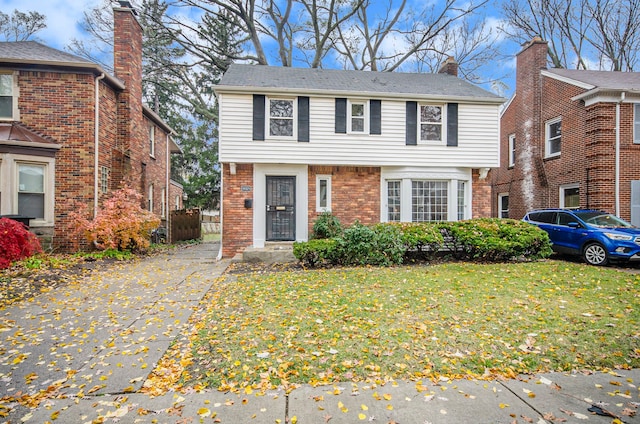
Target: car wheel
(595, 254)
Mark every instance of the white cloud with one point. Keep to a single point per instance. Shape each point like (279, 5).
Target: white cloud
(62, 18)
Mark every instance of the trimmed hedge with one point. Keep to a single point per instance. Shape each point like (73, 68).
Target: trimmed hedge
(385, 244)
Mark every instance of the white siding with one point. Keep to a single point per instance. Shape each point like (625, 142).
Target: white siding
(478, 138)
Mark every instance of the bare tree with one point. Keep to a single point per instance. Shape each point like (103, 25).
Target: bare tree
(582, 34)
(21, 26)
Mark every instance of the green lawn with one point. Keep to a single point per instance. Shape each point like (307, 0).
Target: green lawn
(454, 320)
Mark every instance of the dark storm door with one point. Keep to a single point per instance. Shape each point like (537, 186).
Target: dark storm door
(281, 212)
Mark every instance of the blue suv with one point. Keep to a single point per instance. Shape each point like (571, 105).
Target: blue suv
(597, 236)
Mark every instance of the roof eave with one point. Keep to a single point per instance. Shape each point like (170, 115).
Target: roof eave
(149, 113)
(53, 146)
(87, 67)
(366, 94)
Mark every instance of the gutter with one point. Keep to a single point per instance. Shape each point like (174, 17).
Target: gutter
(96, 149)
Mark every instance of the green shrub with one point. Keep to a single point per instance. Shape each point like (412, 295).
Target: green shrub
(314, 253)
(495, 240)
(326, 226)
(378, 245)
(423, 239)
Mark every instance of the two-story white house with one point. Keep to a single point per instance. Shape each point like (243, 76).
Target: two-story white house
(367, 146)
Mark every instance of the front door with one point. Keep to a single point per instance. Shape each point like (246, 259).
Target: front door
(281, 212)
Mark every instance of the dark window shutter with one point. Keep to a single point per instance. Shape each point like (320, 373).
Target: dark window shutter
(341, 116)
(303, 119)
(412, 124)
(375, 117)
(452, 124)
(258, 116)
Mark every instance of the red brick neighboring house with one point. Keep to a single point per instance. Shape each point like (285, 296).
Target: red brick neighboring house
(569, 138)
(367, 146)
(70, 133)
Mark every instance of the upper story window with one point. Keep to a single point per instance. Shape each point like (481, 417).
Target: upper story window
(553, 131)
(636, 123)
(431, 123)
(357, 117)
(7, 95)
(152, 140)
(281, 117)
(512, 150)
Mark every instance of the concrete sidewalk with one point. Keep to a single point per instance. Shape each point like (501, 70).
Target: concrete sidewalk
(84, 351)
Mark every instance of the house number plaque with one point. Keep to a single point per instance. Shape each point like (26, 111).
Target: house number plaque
(245, 188)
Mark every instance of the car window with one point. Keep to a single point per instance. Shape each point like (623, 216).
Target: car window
(565, 218)
(544, 217)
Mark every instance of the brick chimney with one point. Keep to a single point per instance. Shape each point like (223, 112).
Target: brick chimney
(449, 66)
(127, 65)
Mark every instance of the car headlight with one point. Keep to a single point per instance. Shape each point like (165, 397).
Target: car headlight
(619, 237)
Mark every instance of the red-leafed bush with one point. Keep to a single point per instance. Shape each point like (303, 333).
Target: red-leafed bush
(16, 242)
(120, 224)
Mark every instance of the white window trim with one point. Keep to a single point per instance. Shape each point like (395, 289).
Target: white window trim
(636, 123)
(150, 199)
(500, 197)
(547, 141)
(408, 174)
(512, 150)
(267, 120)
(163, 204)
(443, 123)
(327, 208)
(365, 117)
(16, 95)
(9, 180)
(152, 140)
(562, 193)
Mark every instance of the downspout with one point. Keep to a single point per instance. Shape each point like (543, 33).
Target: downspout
(167, 191)
(96, 142)
(617, 163)
(221, 210)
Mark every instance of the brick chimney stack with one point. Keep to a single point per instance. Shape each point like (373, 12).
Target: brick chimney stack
(449, 66)
(127, 65)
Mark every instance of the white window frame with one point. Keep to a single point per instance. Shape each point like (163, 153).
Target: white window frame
(364, 117)
(163, 204)
(442, 123)
(636, 123)
(294, 118)
(15, 94)
(563, 189)
(152, 140)
(501, 211)
(9, 169)
(512, 150)
(406, 176)
(327, 207)
(386, 197)
(104, 179)
(177, 202)
(548, 140)
(150, 200)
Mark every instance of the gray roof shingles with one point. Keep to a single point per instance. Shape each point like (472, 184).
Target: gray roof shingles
(602, 79)
(272, 78)
(30, 51)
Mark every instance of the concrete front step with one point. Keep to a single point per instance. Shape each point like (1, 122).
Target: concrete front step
(279, 252)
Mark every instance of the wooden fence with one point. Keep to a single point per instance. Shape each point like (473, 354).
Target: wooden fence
(185, 225)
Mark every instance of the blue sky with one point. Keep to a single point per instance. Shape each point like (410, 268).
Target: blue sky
(63, 17)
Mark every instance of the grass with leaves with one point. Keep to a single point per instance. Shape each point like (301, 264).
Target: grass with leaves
(379, 324)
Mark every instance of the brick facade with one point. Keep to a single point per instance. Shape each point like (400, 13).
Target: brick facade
(237, 225)
(587, 157)
(355, 193)
(60, 103)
